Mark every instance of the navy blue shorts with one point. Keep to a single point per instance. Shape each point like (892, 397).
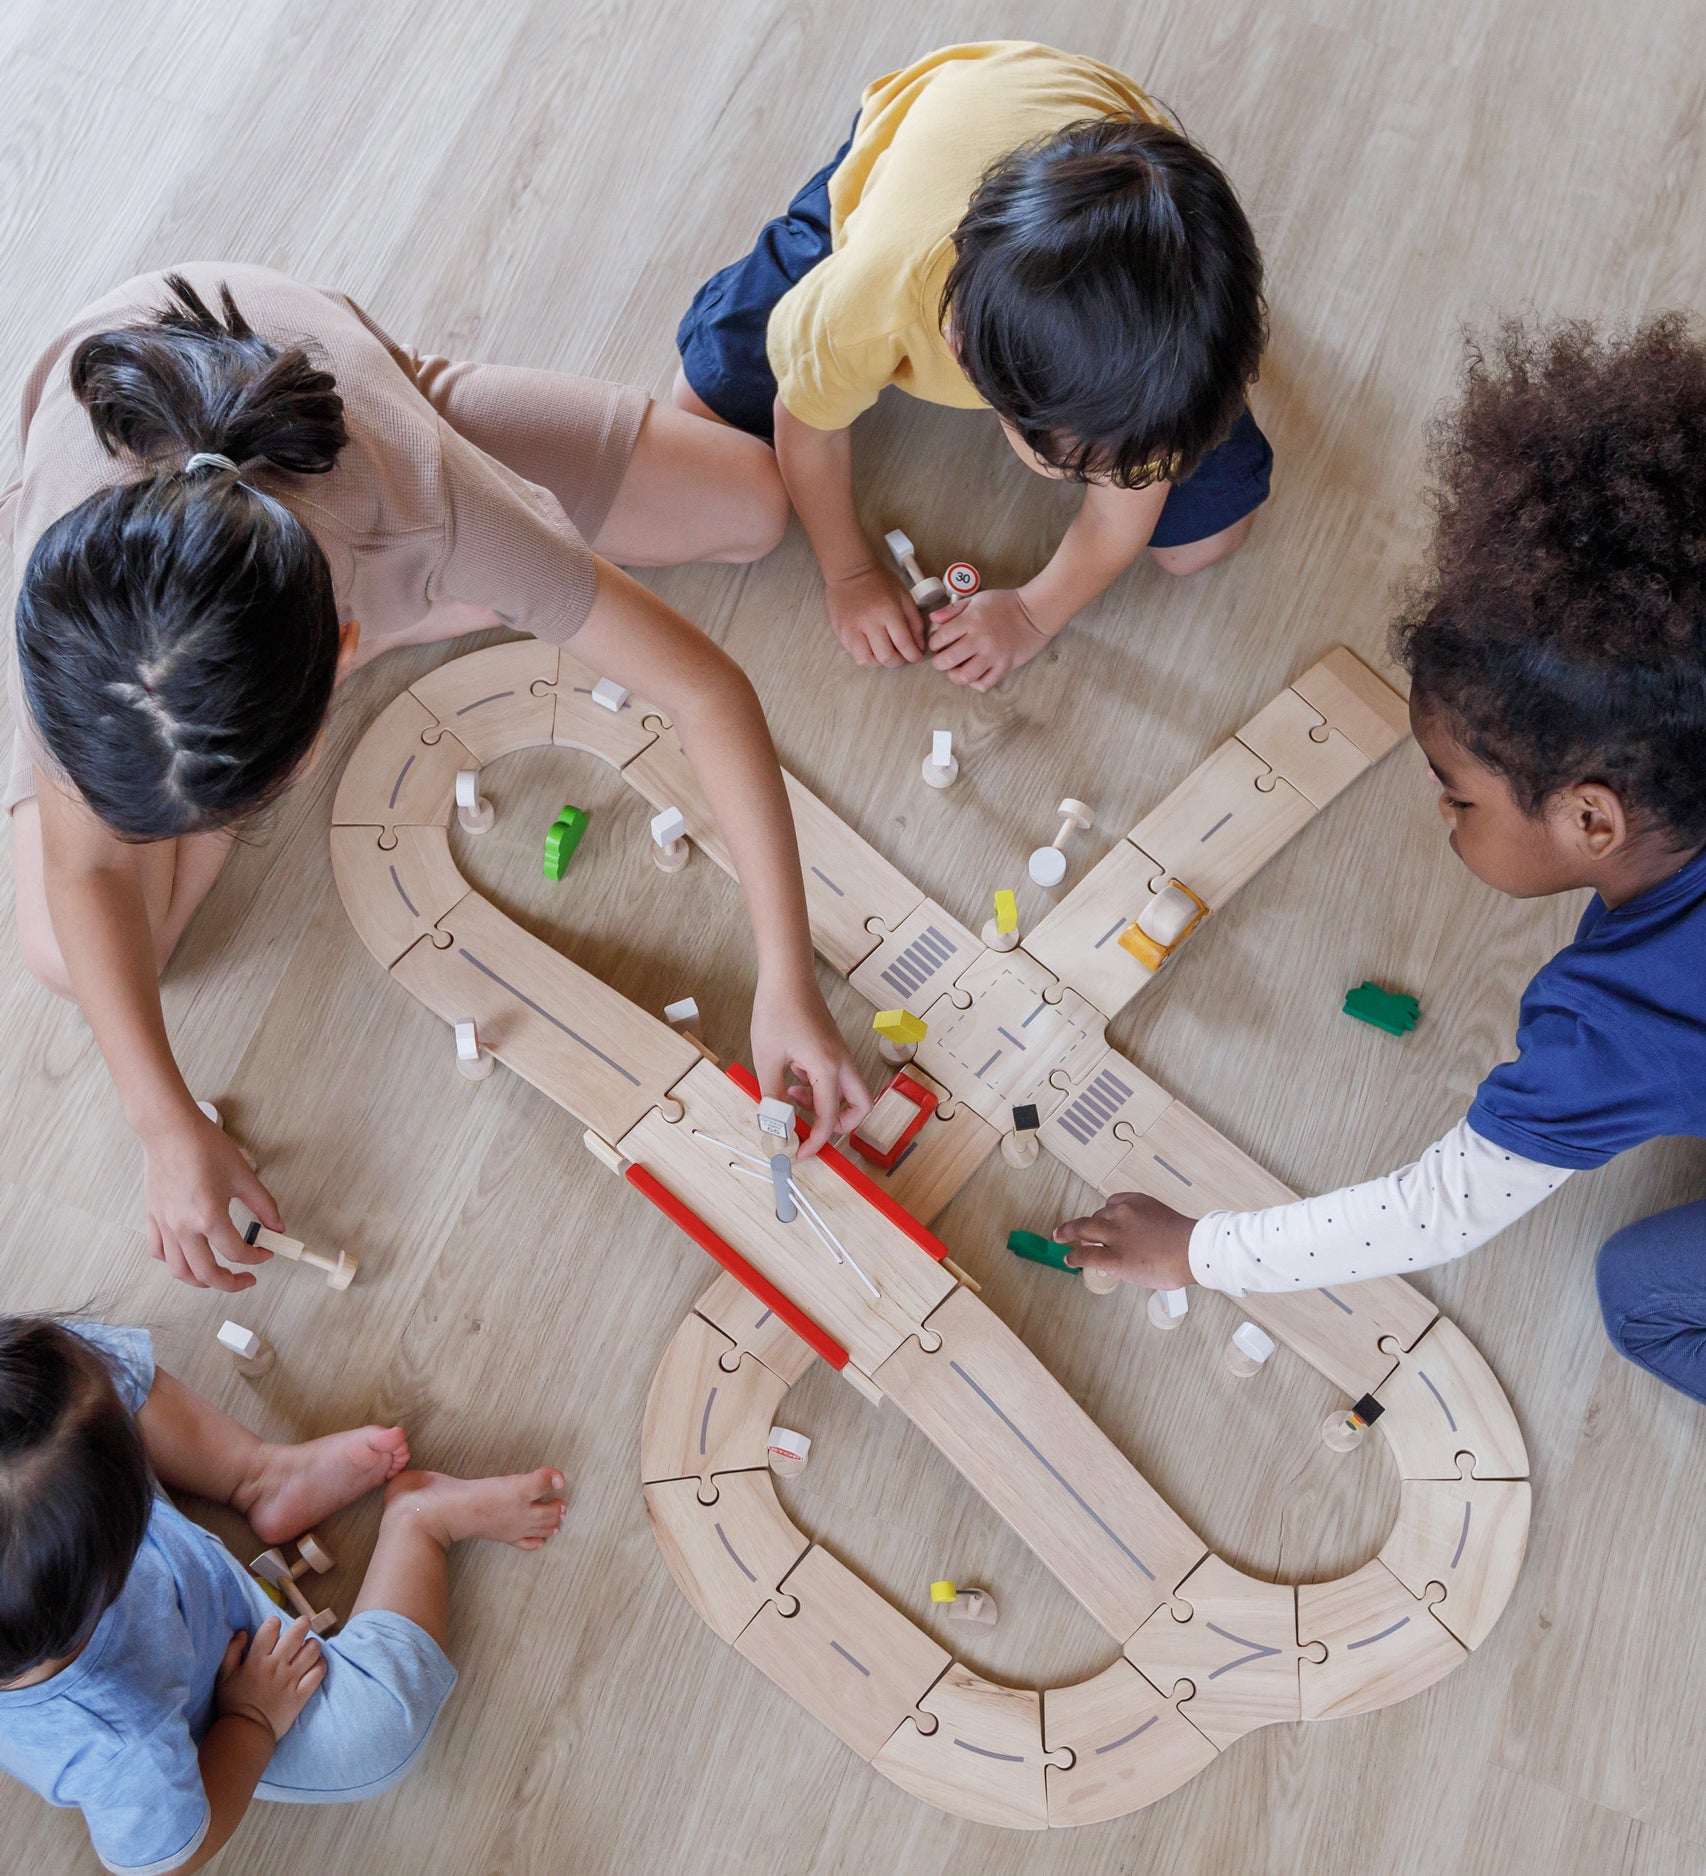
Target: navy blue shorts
(721, 341)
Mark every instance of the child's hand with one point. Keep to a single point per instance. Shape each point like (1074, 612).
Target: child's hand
(192, 1170)
(977, 641)
(1138, 1238)
(797, 1048)
(272, 1681)
(874, 617)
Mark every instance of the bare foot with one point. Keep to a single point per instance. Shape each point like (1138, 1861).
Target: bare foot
(294, 1487)
(523, 1509)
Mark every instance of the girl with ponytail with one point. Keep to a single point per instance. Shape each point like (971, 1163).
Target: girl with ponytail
(235, 487)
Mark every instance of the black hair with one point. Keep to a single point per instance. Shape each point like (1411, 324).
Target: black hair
(178, 635)
(75, 1492)
(1559, 624)
(1106, 300)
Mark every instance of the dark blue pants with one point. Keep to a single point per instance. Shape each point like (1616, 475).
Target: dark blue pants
(1652, 1293)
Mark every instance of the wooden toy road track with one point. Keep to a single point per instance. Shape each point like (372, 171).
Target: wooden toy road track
(1207, 1654)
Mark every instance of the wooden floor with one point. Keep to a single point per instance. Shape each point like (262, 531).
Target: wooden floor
(546, 184)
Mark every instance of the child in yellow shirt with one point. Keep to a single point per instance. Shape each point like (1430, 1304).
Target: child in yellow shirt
(1015, 227)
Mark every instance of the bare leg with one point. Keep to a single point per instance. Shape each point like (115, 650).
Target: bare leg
(281, 1490)
(427, 1512)
(176, 876)
(694, 490)
(683, 396)
(1193, 556)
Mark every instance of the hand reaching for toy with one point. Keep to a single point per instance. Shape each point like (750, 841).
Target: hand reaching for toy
(192, 1170)
(978, 641)
(269, 1680)
(874, 617)
(798, 1051)
(1136, 1237)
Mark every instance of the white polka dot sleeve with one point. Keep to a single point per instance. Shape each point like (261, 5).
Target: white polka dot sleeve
(1461, 1192)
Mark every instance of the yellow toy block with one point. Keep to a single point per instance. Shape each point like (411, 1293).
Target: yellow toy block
(900, 1026)
(943, 1592)
(1006, 912)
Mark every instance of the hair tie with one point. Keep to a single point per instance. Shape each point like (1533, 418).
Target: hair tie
(210, 457)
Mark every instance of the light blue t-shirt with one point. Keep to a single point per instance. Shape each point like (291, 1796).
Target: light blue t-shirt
(116, 1732)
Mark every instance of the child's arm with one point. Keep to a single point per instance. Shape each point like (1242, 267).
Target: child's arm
(1463, 1191)
(870, 610)
(192, 1171)
(635, 638)
(259, 1695)
(978, 641)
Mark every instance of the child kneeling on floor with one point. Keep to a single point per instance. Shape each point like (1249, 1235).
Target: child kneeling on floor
(144, 1675)
(1557, 647)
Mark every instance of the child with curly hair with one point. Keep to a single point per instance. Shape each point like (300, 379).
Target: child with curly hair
(144, 1676)
(1557, 646)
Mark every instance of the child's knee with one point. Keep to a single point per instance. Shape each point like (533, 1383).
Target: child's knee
(1193, 556)
(764, 509)
(39, 949)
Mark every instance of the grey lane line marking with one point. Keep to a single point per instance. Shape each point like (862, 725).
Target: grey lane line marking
(1053, 1471)
(1227, 816)
(983, 1752)
(705, 1422)
(556, 1022)
(1463, 1535)
(818, 870)
(1032, 1017)
(395, 881)
(847, 1657)
(397, 786)
(1331, 1298)
(1258, 1651)
(1368, 1640)
(484, 700)
(735, 1554)
(1113, 1745)
(979, 1074)
(1434, 1391)
(902, 1160)
(1119, 924)
(1017, 1044)
(759, 1324)
(1172, 1169)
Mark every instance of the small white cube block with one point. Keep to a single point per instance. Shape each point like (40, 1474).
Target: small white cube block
(1176, 1303)
(609, 693)
(467, 788)
(682, 1015)
(668, 827)
(242, 1342)
(1253, 1341)
(467, 1041)
(942, 748)
(776, 1117)
(898, 544)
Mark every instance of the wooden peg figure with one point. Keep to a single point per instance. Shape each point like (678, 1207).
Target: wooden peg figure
(670, 847)
(475, 813)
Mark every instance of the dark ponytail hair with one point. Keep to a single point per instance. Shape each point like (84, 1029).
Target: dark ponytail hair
(75, 1492)
(178, 636)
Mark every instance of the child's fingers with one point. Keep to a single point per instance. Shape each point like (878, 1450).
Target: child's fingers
(233, 1657)
(265, 1636)
(288, 1642)
(312, 1679)
(205, 1270)
(855, 1097)
(825, 1105)
(943, 614)
(906, 632)
(947, 628)
(258, 1199)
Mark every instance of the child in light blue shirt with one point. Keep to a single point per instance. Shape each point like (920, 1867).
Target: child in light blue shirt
(148, 1679)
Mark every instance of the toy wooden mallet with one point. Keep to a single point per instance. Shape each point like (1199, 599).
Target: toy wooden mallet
(473, 810)
(1048, 864)
(928, 593)
(339, 1267)
(270, 1566)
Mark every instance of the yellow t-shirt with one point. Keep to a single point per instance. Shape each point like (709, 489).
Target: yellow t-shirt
(867, 315)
